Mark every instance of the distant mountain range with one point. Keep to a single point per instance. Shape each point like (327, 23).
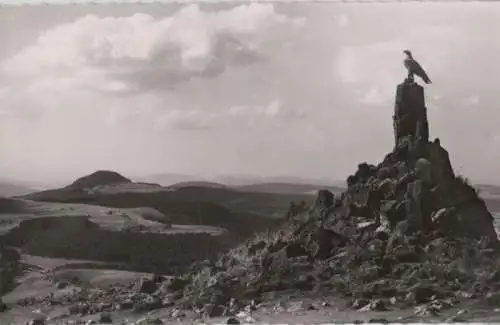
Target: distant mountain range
(241, 210)
(286, 188)
(168, 179)
(488, 191)
(240, 182)
(245, 182)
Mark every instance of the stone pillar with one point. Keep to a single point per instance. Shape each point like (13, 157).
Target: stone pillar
(410, 113)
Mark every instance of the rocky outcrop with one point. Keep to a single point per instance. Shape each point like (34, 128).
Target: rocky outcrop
(397, 234)
(439, 188)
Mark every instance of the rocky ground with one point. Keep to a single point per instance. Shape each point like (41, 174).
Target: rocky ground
(140, 299)
(407, 241)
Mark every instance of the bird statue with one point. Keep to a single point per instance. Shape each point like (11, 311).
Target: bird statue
(415, 68)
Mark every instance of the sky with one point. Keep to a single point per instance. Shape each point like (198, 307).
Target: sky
(304, 90)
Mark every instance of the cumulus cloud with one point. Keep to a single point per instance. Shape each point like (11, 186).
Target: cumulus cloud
(237, 116)
(142, 52)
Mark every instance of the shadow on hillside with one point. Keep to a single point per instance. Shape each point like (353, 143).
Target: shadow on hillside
(241, 213)
(78, 238)
(8, 205)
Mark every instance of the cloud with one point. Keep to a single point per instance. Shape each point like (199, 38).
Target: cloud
(227, 52)
(471, 101)
(194, 119)
(374, 96)
(342, 20)
(380, 63)
(237, 116)
(145, 52)
(274, 110)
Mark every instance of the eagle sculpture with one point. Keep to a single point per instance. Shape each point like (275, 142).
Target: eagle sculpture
(414, 67)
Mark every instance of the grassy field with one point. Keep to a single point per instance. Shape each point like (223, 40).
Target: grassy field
(242, 213)
(77, 238)
(121, 236)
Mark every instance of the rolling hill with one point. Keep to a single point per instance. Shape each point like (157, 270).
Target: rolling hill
(233, 180)
(167, 179)
(202, 184)
(89, 220)
(241, 212)
(488, 190)
(99, 178)
(286, 188)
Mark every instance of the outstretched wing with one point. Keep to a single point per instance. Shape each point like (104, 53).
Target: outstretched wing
(417, 69)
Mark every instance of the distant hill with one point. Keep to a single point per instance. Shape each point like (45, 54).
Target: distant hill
(168, 179)
(287, 188)
(197, 184)
(491, 196)
(99, 178)
(243, 180)
(488, 190)
(9, 189)
(240, 211)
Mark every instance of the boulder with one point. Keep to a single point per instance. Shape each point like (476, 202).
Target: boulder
(37, 321)
(176, 284)
(295, 249)
(146, 286)
(324, 199)
(105, 318)
(213, 310)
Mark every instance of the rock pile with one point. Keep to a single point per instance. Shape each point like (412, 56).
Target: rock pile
(406, 232)
(140, 297)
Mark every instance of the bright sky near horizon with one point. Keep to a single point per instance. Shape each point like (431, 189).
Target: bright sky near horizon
(297, 89)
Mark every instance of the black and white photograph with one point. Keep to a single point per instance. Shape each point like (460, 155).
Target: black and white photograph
(231, 162)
